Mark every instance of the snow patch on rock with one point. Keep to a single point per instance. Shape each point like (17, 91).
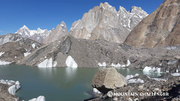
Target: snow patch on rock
(135, 81)
(131, 76)
(175, 74)
(4, 63)
(129, 79)
(157, 79)
(40, 98)
(7, 82)
(46, 63)
(128, 63)
(172, 62)
(70, 62)
(96, 91)
(148, 69)
(171, 47)
(55, 64)
(119, 65)
(26, 54)
(33, 45)
(102, 65)
(1, 53)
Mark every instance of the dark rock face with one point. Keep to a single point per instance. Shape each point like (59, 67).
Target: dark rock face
(66, 46)
(160, 28)
(108, 79)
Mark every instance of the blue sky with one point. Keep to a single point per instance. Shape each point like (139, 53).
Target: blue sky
(46, 14)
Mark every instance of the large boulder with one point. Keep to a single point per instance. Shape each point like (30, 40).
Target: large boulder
(108, 79)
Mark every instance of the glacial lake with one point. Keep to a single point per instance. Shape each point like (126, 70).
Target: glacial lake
(56, 84)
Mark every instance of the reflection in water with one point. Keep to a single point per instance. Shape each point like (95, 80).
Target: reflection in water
(63, 78)
(70, 73)
(47, 72)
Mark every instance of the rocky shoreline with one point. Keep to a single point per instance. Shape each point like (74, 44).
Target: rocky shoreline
(7, 90)
(144, 88)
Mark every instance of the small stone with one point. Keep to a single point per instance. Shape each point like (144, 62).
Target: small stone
(115, 99)
(141, 86)
(130, 99)
(156, 89)
(110, 94)
(136, 99)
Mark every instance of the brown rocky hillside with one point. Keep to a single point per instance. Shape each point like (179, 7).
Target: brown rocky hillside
(160, 28)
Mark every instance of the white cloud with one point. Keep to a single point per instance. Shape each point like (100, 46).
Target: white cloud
(1, 31)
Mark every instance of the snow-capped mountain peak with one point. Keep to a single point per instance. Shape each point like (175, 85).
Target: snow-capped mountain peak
(24, 27)
(39, 30)
(107, 6)
(122, 9)
(138, 11)
(27, 32)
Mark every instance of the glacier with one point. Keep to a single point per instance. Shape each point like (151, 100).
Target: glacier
(1, 53)
(39, 98)
(102, 65)
(46, 63)
(119, 65)
(148, 69)
(96, 91)
(26, 54)
(14, 86)
(175, 74)
(4, 63)
(70, 62)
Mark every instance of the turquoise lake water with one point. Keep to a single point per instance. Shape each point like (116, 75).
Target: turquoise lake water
(56, 84)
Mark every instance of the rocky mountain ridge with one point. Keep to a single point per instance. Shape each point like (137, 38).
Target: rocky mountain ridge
(72, 52)
(104, 22)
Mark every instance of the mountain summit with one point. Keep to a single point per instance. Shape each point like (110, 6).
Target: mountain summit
(60, 31)
(160, 28)
(104, 22)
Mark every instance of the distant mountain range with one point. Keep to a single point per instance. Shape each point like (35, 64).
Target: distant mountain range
(101, 22)
(160, 28)
(44, 36)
